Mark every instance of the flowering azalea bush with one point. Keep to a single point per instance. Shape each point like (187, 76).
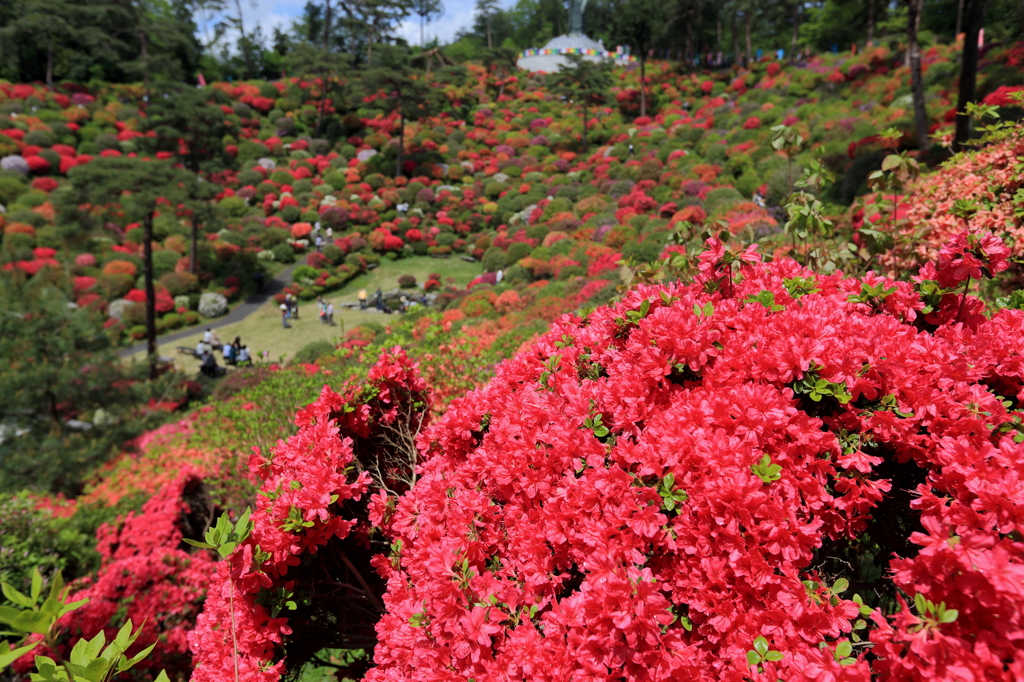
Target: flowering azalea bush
(308, 556)
(717, 486)
(975, 191)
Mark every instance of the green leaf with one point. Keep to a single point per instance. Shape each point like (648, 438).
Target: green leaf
(753, 658)
(197, 543)
(9, 614)
(37, 585)
(773, 656)
(890, 162)
(949, 616)
(843, 649)
(57, 586)
(761, 646)
(72, 606)
(8, 657)
(840, 586)
(17, 597)
(126, 663)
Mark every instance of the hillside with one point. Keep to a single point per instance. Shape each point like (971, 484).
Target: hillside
(728, 391)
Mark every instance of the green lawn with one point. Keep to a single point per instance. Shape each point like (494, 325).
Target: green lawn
(386, 275)
(262, 331)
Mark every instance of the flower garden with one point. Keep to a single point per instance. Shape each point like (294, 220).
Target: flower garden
(745, 402)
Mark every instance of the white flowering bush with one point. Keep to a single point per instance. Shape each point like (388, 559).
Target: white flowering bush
(116, 308)
(212, 304)
(181, 302)
(14, 163)
(266, 255)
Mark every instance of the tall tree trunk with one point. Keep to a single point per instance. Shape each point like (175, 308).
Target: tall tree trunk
(423, 20)
(585, 127)
(974, 16)
(871, 21)
(327, 23)
(643, 84)
(959, 18)
(401, 139)
(145, 60)
(193, 255)
(490, 45)
(735, 41)
(746, 30)
(323, 77)
(718, 34)
(916, 84)
(247, 53)
(241, 21)
(147, 269)
(49, 65)
(688, 44)
(796, 32)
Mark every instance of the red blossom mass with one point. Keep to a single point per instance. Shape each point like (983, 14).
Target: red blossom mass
(650, 489)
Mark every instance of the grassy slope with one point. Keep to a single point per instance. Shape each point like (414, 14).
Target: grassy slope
(262, 331)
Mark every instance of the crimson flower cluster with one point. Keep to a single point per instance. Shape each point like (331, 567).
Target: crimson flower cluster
(148, 576)
(301, 508)
(669, 488)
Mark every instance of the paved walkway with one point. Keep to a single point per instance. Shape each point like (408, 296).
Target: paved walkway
(242, 311)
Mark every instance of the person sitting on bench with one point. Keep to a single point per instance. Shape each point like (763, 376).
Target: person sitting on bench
(210, 367)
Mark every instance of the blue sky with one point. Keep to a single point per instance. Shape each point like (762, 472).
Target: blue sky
(270, 13)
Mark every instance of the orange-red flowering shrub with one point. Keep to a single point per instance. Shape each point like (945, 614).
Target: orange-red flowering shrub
(685, 485)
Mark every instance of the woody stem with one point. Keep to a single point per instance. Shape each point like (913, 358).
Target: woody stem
(231, 604)
(963, 298)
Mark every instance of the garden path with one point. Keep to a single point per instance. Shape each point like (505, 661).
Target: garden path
(240, 312)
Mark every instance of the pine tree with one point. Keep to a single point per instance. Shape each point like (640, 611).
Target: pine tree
(134, 185)
(584, 82)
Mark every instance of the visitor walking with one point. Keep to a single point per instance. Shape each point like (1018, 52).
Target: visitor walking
(321, 306)
(378, 299)
(362, 299)
(330, 314)
(319, 244)
(285, 314)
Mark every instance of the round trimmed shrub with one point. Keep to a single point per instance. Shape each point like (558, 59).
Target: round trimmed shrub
(117, 308)
(407, 281)
(180, 283)
(212, 304)
(494, 259)
(283, 253)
